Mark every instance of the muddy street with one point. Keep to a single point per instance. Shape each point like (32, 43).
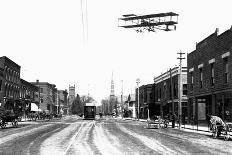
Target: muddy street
(105, 136)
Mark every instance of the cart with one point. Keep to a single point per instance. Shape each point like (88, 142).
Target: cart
(220, 128)
(8, 116)
(157, 122)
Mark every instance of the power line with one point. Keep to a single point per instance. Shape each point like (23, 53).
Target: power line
(83, 25)
(84, 18)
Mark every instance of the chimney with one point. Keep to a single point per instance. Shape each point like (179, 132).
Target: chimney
(217, 31)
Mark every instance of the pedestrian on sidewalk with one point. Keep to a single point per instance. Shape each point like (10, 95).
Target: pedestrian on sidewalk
(173, 119)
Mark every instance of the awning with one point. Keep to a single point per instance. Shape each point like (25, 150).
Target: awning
(34, 107)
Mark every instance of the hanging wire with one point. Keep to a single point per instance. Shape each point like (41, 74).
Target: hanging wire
(83, 24)
(86, 18)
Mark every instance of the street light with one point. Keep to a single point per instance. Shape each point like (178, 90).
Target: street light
(138, 81)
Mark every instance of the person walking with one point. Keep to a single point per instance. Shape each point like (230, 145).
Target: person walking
(173, 117)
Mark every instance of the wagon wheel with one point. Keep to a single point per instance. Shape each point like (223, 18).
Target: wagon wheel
(15, 123)
(227, 136)
(3, 124)
(215, 131)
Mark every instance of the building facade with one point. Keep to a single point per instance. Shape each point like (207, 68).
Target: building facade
(63, 101)
(10, 83)
(166, 90)
(145, 100)
(48, 96)
(28, 96)
(210, 78)
(130, 108)
(71, 96)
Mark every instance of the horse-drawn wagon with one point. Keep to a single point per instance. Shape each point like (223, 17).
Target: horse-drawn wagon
(8, 116)
(220, 128)
(157, 122)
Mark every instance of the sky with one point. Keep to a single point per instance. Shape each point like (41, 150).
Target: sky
(67, 42)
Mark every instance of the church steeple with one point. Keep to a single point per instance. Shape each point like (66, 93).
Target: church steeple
(112, 87)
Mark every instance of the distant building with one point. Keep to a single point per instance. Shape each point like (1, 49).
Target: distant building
(165, 93)
(9, 83)
(131, 105)
(28, 96)
(210, 77)
(144, 99)
(63, 101)
(48, 96)
(71, 96)
(112, 99)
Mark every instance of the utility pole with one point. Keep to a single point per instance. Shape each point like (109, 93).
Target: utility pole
(57, 102)
(37, 82)
(122, 105)
(138, 81)
(173, 107)
(180, 89)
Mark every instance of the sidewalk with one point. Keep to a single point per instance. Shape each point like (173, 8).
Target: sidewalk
(203, 129)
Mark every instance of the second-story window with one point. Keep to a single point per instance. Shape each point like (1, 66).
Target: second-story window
(201, 77)
(0, 85)
(185, 90)
(41, 90)
(175, 90)
(165, 90)
(212, 79)
(191, 80)
(226, 70)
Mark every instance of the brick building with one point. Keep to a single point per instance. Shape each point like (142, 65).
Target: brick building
(210, 78)
(48, 96)
(71, 96)
(144, 100)
(10, 83)
(28, 96)
(165, 92)
(63, 101)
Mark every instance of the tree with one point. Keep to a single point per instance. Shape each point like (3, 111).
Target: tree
(76, 107)
(86, 99)
(79, 103)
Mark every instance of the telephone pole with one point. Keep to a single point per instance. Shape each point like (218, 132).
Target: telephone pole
(138, 81)
(180, 89)
(122, 104)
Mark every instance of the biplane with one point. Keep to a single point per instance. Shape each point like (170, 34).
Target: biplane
(162, 21)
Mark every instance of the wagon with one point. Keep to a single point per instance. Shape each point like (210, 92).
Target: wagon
(8, 116)
(220, 128)
(157, 122)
